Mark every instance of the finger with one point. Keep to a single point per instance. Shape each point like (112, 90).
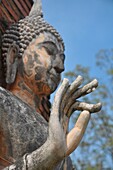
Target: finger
(81, 92)
(88, 88)
(55, 127)
(72, 88)
(78, 81)
(92, 108)
(75, 135)
(65, 123)
(58, 97)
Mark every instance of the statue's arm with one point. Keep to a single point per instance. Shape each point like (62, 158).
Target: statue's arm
(58, 145)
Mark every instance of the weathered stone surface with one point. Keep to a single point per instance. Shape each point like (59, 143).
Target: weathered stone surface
(65, 165)
(24, 129)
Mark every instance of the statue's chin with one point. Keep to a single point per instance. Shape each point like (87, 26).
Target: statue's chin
(53, 85)
(46, 87)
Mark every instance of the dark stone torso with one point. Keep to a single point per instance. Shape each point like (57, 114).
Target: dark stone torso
(22, 129)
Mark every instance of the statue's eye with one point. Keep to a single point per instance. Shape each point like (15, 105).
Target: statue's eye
(62, 57)
(50, 48)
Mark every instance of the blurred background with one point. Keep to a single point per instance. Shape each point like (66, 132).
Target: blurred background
(87, 30)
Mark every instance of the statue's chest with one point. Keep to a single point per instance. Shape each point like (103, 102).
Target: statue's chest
(27, 133)
(24, 129)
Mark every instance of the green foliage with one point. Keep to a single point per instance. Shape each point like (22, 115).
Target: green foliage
(105, 62)
(96, 149)
(79, 70)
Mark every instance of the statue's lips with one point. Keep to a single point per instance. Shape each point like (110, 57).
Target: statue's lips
(55, 77)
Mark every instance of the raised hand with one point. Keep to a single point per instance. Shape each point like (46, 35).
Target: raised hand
(65, 103)
(59, 144)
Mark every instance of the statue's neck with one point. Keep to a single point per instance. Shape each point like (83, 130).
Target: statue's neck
(38, 102)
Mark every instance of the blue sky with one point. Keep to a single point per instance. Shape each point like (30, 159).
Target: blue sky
(86, 27)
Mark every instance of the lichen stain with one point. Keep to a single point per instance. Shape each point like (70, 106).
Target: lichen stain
(4, 160)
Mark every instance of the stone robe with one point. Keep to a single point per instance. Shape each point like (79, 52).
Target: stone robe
(22, 130)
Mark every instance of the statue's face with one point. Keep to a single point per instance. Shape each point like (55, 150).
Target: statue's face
(43, 63)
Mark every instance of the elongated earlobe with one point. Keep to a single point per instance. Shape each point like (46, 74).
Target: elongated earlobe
(12, 63)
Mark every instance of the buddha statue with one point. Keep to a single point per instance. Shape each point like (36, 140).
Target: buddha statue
(32, 134)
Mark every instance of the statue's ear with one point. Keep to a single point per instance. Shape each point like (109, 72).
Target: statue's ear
(12, 63)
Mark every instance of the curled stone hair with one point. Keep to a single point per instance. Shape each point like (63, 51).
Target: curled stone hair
(27, 29)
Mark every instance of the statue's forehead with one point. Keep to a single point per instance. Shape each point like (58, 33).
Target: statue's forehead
(47, 37)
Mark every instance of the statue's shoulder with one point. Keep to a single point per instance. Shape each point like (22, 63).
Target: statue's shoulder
(7, 99)
(4, 98)
(25, 128)
(15, 106)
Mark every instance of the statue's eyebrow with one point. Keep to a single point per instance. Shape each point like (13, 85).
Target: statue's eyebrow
(47, 43)
(50, 47)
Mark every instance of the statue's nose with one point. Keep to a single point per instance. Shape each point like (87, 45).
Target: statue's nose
(59, 69)
(58, 65)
